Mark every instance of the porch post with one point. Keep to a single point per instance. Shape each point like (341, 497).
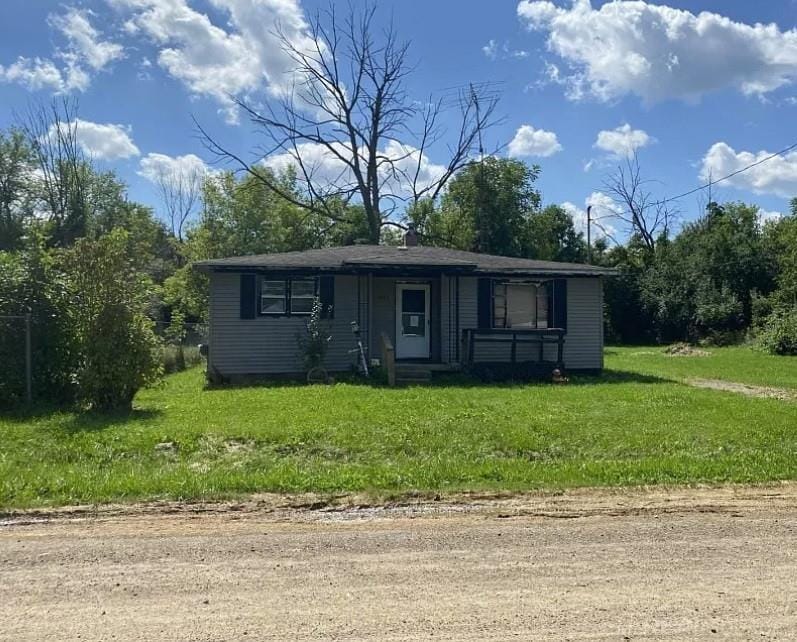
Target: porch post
(370, 313)
(560, 350)
(458, 341)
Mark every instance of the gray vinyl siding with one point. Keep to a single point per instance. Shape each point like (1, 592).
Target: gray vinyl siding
(267, 345)
(584, 339)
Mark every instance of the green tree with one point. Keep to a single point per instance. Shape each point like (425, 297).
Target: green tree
(486, 208)
(17, 193)
(243, 216)
(699, 285)
(119, 351)
(551, 236)
(780, 240)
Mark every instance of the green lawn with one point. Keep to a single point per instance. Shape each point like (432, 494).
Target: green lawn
(635, 425)
(742, 365)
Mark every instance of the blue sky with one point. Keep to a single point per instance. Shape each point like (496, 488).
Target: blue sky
(693, 86)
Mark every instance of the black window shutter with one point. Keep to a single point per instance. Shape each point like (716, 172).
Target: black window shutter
(559, 314)
(326, 293)
(248, 296)
(485, 303)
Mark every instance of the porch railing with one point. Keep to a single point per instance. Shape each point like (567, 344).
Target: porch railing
(513, 337)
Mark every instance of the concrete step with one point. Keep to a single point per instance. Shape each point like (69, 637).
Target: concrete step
(412, 373)
(408, 381)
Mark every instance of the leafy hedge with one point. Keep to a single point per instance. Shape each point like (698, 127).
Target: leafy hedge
(779, 333)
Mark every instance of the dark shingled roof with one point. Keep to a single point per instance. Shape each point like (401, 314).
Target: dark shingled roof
(358, 258)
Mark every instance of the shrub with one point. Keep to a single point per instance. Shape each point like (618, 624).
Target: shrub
(119, 351)
(779, 333)
(313, 343)
(718, 314)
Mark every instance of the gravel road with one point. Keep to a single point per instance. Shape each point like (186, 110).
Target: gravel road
(642, 564)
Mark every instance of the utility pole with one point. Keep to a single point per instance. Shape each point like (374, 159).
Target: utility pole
(479, 193)
(589, 234)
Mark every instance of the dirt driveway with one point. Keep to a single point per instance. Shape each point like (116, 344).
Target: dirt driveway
(683, 564)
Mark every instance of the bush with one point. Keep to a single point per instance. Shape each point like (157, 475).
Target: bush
(313, 343)
(719, 315)
(119, 351)
(779, 333)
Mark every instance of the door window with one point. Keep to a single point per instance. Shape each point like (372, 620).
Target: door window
(413, 313)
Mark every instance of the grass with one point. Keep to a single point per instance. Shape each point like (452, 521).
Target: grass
(635, 425)
(739, 364)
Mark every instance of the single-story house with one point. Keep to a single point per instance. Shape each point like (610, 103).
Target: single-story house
(436, 306)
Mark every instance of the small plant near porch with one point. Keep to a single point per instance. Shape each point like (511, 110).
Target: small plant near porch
(314, 342)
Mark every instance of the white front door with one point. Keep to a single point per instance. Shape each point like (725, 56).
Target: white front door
(413, 326)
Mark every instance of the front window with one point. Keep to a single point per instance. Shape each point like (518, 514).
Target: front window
(302, 295)
(287, 296)
(272, 297)
(518, 304)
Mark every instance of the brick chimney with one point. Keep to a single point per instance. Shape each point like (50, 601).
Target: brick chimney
(410, 236)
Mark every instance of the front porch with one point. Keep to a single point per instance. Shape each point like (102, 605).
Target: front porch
(417, 326)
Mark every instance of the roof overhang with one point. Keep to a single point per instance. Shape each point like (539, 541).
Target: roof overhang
(388, 269)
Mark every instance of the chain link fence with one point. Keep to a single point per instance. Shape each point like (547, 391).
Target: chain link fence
(181, 348)
(17, 348)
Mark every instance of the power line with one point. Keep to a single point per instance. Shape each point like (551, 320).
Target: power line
(731, 175)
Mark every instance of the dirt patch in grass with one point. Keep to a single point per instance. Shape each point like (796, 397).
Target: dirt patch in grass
(685, 350)
(765, 392)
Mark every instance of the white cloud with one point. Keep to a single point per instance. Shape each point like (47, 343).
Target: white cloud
(578, 215)
(244, 56)
(533, 142)
(602, 205)
(623, 141)
(603, 210)
(83, 49)
(155, 167)
(84, 40)
(494, 51)
(765, 216)
(776, 176)
(102, 141)
(326, 170)
(39, 73)
(657, 52)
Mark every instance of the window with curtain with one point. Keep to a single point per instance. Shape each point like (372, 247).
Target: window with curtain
(518, 304)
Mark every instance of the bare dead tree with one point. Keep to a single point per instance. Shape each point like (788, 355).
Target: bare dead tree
(349, 126)
(63, 167)
(643, 215)
(180, 189)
